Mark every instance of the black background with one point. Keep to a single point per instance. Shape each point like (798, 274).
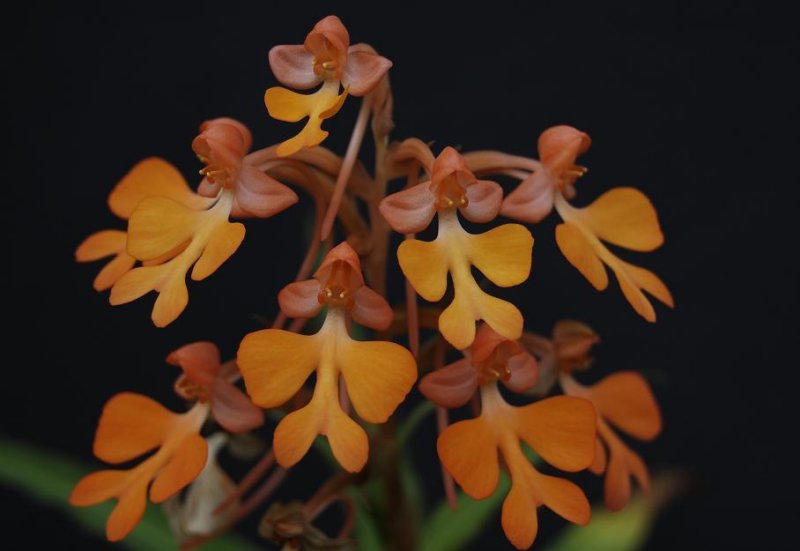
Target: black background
(692, 102)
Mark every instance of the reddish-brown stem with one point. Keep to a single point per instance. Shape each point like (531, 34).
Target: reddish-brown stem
(258, 470)
(347, 166)
(490, 162)
(262, 494)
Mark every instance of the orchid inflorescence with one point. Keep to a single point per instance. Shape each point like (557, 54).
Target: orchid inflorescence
(341, 283)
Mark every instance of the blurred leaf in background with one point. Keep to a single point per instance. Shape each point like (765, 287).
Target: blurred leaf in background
(47, 477)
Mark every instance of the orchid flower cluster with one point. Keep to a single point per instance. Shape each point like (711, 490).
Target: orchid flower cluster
(346, 380)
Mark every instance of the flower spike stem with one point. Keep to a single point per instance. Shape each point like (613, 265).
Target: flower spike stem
(347, 166)
(258, 470)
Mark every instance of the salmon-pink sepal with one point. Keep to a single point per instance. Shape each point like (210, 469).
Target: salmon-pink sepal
(293, 66)
(410, 210)
(363, 70)
(259, 195)
(484, 198)
(301, 299)
(451, 386)
(371, 310)
(532, 200)
(559, 147)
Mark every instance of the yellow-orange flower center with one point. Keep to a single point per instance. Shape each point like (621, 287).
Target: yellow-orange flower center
(495, 366)
(450, 193)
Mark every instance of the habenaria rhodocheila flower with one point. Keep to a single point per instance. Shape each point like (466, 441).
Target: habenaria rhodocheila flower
(623, 400)
(560, 429)
(622, 216)
(502, 254)
(325, 57)
(170, 236)
(377, 375)
(132, 425)
(148, 178)
(491, 357)
(206, 379)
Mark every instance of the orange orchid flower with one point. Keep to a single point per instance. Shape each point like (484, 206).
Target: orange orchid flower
(491, 357)
(502, 254)
(206, 379)
(622, 216)
(171, 231)
(325, 57)
(377, 375)
(148, 178)
(132, 425)
(561, 430)
(623, 400)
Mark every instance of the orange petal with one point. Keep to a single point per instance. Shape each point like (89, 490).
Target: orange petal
(468, 450)
(470, 303)
(425, 265)
(97, 487)
(101, 244)
(632, 280)
(184, 466)
(626, 400)
(295, 434)
(519, 519)
(127, 513)
(503, 254)
(563, 497)
(288, 106)
(131, 425)
(152, 177)
(502, 316)
(378, 376)
(222, 243)
(624, 217)
(113, 271)
(648, 281)
(276, 363)
(560, 429)
(457, 321)
(311, 135)
(173, 296)
(160, 225)
(580, 254)
(600, 460)
(617, 486)
(348, 441)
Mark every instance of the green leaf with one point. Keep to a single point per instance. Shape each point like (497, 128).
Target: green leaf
(366, 531)
(625, 530)
(448, 530)
(48, 478)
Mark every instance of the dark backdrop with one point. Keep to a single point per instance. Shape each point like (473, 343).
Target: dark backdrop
(692, 102)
